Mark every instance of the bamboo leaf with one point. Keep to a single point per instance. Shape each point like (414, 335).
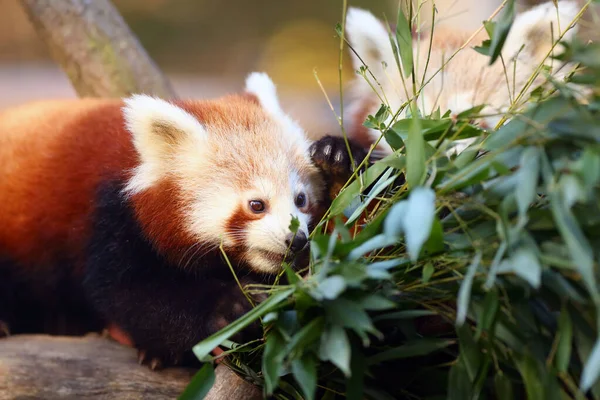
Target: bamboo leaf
(418, 219)
(565, 332)
(335, 347)
(464, 293)
(203, 349)
(305, 372)
(527, 184)
(404, 39)
(414, 348)
(501, 30)
(591, 371)
(200, 384)
(415, 154)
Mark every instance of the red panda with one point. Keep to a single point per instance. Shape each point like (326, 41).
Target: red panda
(115, 212)
(465, 81)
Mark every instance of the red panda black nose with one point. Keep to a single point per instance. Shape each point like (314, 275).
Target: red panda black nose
(296, 243)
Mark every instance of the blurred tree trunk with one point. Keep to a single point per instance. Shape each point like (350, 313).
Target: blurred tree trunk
(95, 47)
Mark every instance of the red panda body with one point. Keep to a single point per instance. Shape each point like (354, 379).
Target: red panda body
(114, 211)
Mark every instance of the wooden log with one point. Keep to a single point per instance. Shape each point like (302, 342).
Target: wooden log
(93, 367)
(95, 47)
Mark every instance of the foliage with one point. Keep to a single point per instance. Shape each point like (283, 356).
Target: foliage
(476, 277)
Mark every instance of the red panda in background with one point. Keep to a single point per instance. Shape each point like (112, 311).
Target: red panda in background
(113, 212)
(465, 81)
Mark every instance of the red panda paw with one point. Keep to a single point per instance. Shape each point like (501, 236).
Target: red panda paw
(4, 329)
(156, 362)
(330, 154)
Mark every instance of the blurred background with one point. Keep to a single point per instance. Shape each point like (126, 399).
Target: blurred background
(207, 47)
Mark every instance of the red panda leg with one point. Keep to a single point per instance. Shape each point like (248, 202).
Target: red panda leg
(118, 335)
(4, 329)
(330, 155)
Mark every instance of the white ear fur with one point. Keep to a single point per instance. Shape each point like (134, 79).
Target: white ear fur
(538, 27)
(260, 85)
(144, 114)
(157, 127)
(368, 37)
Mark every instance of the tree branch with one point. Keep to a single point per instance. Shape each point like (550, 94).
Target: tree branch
(95, 47)
(92, 367)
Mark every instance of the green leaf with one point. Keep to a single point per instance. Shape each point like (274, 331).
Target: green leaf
(375, 302)
(591, 371)
(565, 338)
(459, 385)
(527, 184)
(464, 293)
(335, 347)
(347, 195)
(501, 30)
(305, 372)
(203, 349)
(306, 336)
(524, 263)
(490, 308)
(431, 129)
(503, 387)
(351, 315)
(393, 226)
(355, 383)
(471, 112)
(331, 287)
(418, 219)
(428, 270)
(581, 252)
(200, 384)
(528, 368)
(272, 360)
(435, 243)
(571, 189)
(406, 314)
(470, 353)
(415, 154)
(414, 348)
(404, 39)
(291, 275)
(294, 224)
(591, 166)
(383, 182)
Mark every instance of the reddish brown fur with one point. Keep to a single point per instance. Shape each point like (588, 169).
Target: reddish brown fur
(55, 154)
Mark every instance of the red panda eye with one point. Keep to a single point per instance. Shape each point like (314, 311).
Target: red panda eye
(300, 200)
(257, 206)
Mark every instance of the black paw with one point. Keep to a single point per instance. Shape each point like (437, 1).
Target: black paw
(330, 154)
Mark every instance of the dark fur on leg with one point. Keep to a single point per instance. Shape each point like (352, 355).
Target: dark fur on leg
(166, 310)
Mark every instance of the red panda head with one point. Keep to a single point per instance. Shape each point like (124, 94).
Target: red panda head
(465, 81)
(230, 172)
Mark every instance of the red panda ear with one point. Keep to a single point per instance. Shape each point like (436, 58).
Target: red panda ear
(369, 39)
(159, 130)
(260, 85)
(154, 121)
